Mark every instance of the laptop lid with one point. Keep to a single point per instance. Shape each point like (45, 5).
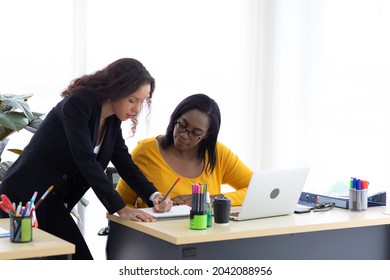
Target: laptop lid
(272, 193)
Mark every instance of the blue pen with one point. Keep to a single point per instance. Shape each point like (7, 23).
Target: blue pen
(359, 195)
(32, 200)
(358, 184)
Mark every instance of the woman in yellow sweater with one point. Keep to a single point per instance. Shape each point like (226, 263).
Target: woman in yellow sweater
(190, 151)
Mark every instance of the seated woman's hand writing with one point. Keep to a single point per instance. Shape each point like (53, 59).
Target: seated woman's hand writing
(160, 205)
(135, 214)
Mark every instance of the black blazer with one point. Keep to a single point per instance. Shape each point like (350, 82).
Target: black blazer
(61, 154)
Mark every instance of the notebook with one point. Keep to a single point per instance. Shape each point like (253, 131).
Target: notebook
(4, 232)
(272, 193)
(177, 212)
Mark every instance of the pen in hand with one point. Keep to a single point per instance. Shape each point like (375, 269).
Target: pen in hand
(171, 188)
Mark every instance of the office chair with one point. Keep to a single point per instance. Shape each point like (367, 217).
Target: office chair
(113, 176)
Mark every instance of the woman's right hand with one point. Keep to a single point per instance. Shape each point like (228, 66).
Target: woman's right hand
(134, 214)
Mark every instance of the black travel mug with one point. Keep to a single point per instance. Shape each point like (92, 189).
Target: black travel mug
(221, 208)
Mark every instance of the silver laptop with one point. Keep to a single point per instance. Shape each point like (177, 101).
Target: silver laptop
(272, 193)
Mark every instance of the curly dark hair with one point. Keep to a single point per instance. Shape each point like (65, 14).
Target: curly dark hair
(208, 106)
(117, 80)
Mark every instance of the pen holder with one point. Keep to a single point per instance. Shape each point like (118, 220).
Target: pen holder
(20, 229)
(198, 220)
(358, 200)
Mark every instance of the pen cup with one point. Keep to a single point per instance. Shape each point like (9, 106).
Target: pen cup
(198, 220)
(221, 206)
(20, 229)
(358, 200)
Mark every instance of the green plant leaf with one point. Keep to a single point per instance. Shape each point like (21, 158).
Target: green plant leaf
(15, 114)
(16, 151)
(3, 143)
(14, 120)
(17, 102)
(5, 132)
(35, 123)
(4, 167)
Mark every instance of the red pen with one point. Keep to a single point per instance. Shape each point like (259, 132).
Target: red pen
(42, 199)
(3, 207)
(7, 204)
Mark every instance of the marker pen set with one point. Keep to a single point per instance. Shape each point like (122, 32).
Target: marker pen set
(358, 194)
(22, 218)
(198, 213)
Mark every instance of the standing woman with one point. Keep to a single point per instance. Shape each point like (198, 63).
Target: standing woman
(74, 145)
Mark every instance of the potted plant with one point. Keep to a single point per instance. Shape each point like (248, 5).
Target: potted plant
(15, 115)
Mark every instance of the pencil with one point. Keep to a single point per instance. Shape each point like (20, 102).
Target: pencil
(171, 188)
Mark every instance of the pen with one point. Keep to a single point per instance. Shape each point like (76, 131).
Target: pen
(19, 209)
(171, 188)
(26, 210)
(42, 198)
(7, 205)
(196, 197)
(32, 200)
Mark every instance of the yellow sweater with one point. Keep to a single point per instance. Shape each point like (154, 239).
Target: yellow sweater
(229, 170)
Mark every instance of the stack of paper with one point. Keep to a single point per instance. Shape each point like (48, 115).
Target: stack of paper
(177, 212)
(4, 232)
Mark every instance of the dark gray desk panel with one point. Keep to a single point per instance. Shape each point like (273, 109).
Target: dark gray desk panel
(354, 243)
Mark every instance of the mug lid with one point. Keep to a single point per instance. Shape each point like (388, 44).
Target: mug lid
(222, 199)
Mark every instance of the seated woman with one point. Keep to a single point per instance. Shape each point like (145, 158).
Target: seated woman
(190, 151)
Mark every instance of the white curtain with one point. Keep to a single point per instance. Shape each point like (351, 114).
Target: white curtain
(325, 83)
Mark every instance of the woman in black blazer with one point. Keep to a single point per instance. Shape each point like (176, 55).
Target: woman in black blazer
(74, 145)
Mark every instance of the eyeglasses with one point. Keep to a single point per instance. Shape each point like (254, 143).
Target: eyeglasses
(324, 207)
(181, 128)
(307, 208)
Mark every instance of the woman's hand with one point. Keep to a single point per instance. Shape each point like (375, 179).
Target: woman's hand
(162, 206)
(135, 215)
(183, 199)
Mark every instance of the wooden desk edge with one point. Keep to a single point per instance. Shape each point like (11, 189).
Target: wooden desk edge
(140, 227)
(382, 219)
(62, 247)
(66, 250)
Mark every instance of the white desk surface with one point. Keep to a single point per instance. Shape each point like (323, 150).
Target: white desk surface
(42, 245)
(178, 232)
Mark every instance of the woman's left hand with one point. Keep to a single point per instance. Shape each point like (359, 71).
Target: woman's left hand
(163, 206)
(183, 199)
(135, 215)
